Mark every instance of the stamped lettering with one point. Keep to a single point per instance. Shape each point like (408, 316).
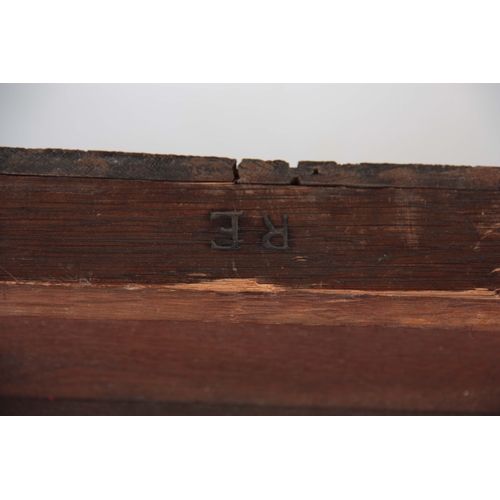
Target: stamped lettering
(276, 238)
(279, 233)
(229, 231)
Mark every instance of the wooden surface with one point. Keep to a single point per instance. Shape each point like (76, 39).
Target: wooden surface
(387, 175)
(160, 284)
(141, 166)
(115, 165)
(244, 301)
(379, 368)
(117, 231)
(368, 175)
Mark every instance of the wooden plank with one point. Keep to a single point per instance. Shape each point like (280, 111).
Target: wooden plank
(126, 231)
(263, 172)
(383, 175)
(174, 168)
(378, 368)
(369, 175)
(115, 165)
(245, 301)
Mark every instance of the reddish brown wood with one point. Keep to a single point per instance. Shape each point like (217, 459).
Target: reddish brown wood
(237, 364)
(115, 231)
(240, 301)
(52, 406)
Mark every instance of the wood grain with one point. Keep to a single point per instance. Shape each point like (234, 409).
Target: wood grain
(243, 364)
(126, 231)
(369, 175)
(240, 301)
(141, 166)
(383, 175)
(115, 165)
(263, 172)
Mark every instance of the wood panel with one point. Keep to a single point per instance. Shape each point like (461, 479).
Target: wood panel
(402, 370)
(116, 231)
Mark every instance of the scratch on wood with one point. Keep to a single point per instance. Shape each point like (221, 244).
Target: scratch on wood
(248, 285)
(231, 285)
(226, 301)
(13, 277)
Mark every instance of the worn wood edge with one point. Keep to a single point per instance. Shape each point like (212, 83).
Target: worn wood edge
(368, 175)
(253, 171)
(115, 165)
(387, 175)
(247, 301)
(178, 168)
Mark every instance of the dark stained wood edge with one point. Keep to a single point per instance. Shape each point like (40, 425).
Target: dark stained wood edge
(369, 175)
(115, 165)
(140, 166)
(263, 172)
(75, 407)
(384, 175)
